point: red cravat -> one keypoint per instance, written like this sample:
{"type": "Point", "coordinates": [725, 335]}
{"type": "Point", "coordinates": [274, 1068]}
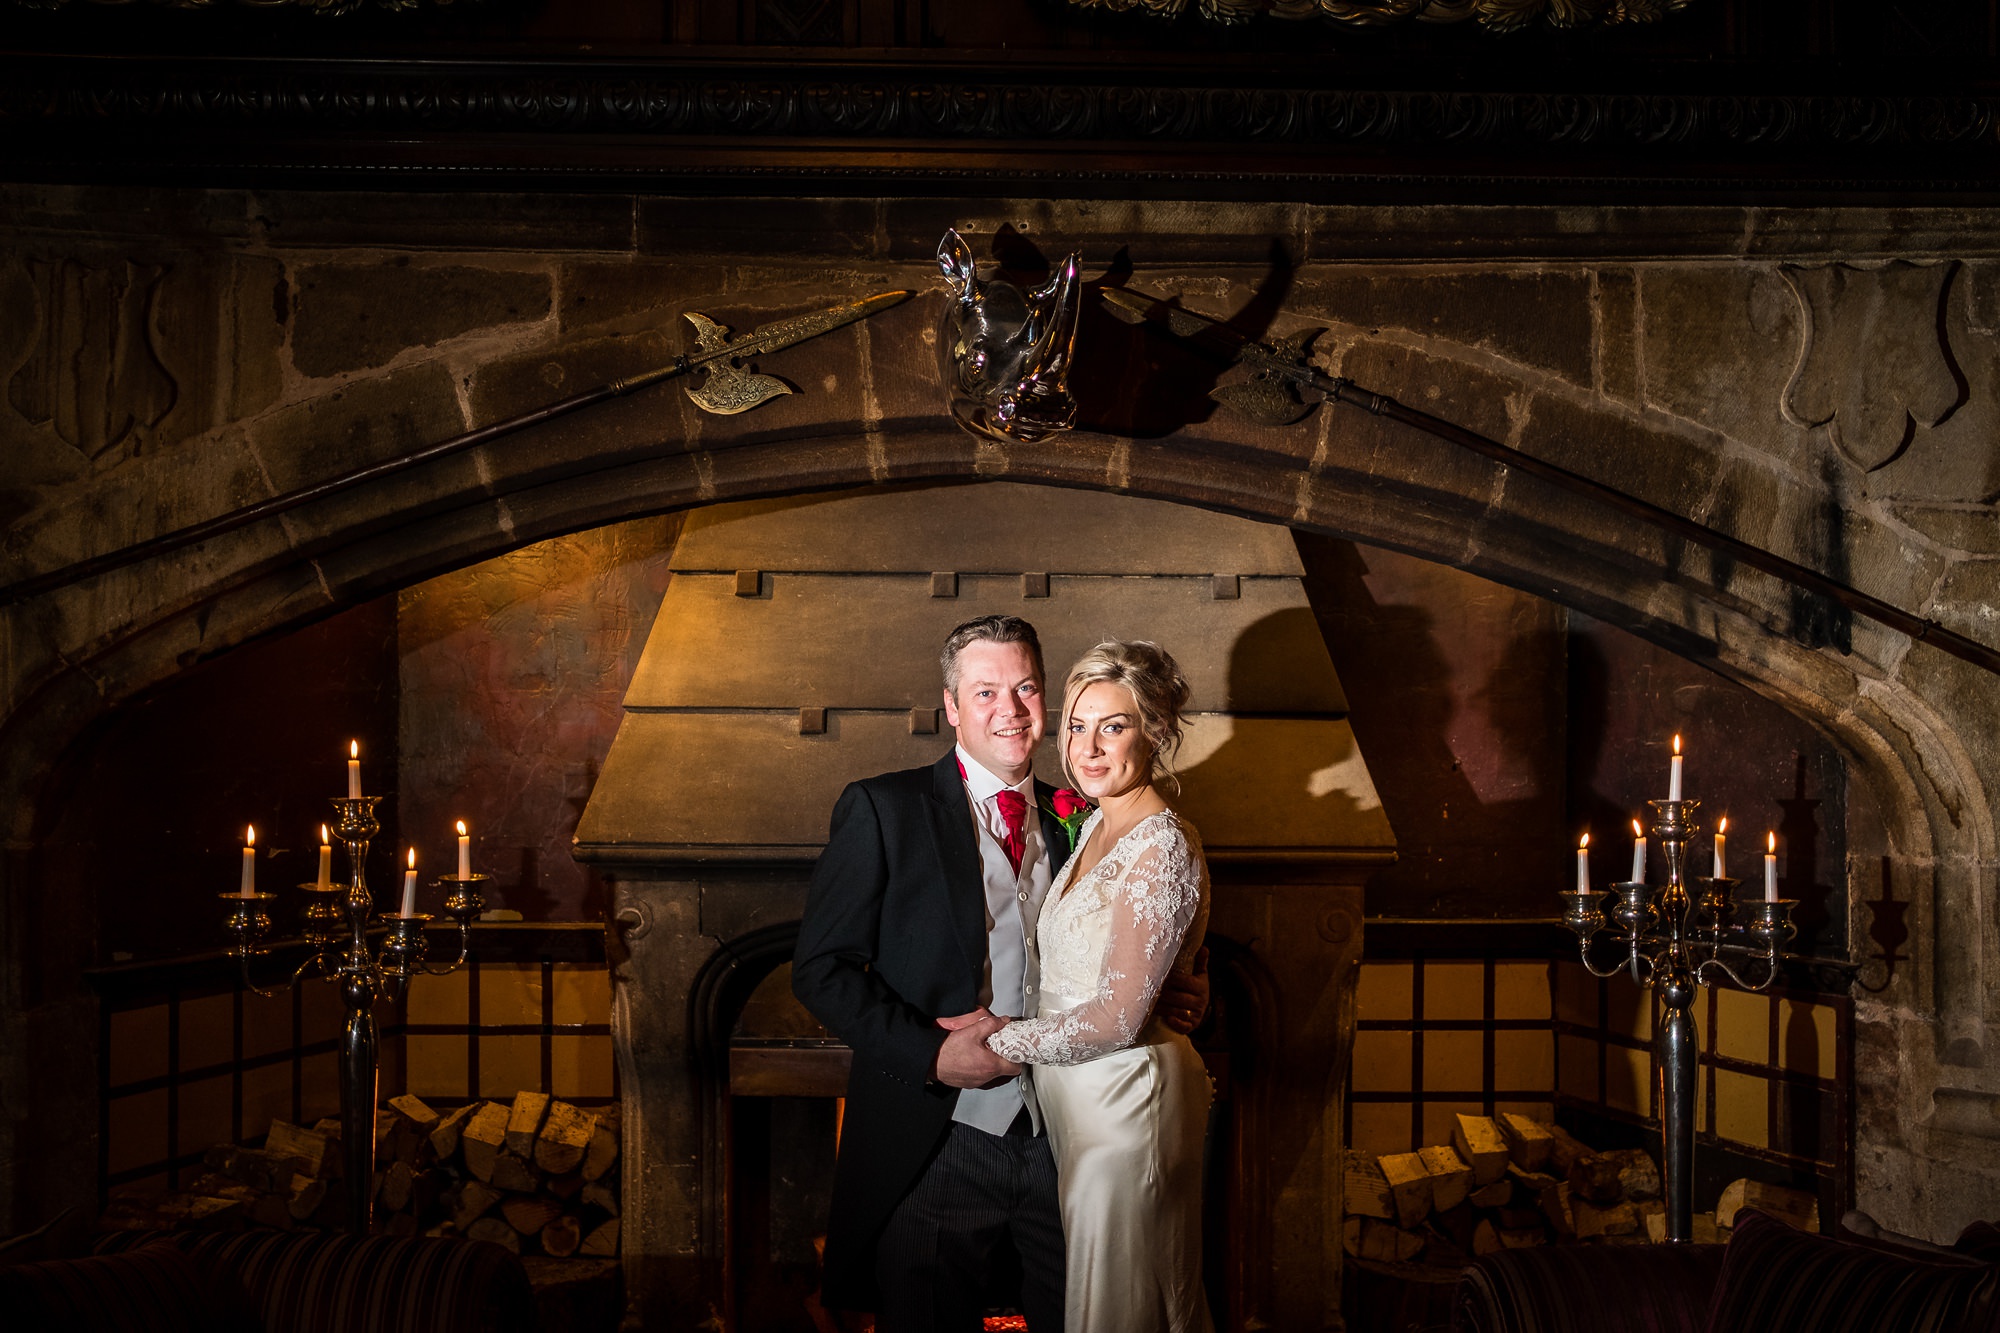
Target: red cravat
{"type": "Point", "coordinates": [1013, 813]}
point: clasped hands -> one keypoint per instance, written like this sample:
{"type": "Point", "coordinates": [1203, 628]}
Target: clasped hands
{"type": "Point", "coordinates": [965, 1061]}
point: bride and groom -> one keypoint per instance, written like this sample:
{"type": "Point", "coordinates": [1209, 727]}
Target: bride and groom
{"type": "Point", "coordinates": [1017, 992]}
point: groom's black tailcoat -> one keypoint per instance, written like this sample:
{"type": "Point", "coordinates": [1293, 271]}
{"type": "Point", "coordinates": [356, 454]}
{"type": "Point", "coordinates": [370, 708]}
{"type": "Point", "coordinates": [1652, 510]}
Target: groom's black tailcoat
{"type": "Point", "coordinates": [894, 937]}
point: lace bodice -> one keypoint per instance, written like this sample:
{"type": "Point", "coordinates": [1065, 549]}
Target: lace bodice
{"type": "Point", "coordinates": [1108, 942]}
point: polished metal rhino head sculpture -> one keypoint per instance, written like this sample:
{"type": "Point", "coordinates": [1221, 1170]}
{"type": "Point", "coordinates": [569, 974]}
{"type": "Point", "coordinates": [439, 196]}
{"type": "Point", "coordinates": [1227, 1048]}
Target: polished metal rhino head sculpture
{"type": "Point", "coordinates": [1005, 353]}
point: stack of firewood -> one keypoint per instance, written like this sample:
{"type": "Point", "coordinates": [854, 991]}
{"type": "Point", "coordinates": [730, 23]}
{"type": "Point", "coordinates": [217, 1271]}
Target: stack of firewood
{"type": "Point", "coordinates": [1508, 1181]}
{"type": "Point", "coordinates": [534, 1175]}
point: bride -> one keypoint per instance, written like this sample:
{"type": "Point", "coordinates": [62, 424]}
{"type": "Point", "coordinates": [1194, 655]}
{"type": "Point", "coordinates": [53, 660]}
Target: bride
{"type": "Point", "coordinates": [1125, 1099]}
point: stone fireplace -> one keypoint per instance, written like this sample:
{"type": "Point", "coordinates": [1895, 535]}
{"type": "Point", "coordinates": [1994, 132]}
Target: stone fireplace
{"type": "Point", "coordinates": [796, 650]}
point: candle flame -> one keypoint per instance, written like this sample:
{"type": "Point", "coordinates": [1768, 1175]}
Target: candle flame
{"type": "Point", "coordinates": [413, 858]}
{"type": "Point", "coordinates": [324, 840]}
{"type": "Point", "coordinates": [1771, 843]}
{"type": "Point", "coordinates": [1722, 825]}
{"type": "Point", "coordinates": [1585, 843]}
{"type": "Point", "coordinates": [249, 835]}
{"type": "Point", "coordinates": [1677, 742]}
{"type": "Point", "coordinates": [354, 749]}
{"type": "Point", "coordinates": [461, 828]}
{"type": "Point", "coordinates": [1637, 832]}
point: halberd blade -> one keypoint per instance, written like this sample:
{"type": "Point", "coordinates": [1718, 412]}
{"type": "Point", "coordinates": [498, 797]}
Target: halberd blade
{"type": "Point", "coordinates": [727, 390]}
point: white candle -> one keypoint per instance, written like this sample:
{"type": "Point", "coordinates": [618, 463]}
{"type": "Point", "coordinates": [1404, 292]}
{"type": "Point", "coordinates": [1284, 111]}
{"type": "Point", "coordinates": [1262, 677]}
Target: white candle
{"type": "Point", "coordinates": [249, 859]}
{"type": "Point", "coordinates": [1721, 860]}
{"type": "Point", "coordinates": [1583, 865]}
{"type": "Point", "coordinates": [1674, 776]}
{"type": "Point", "coordinates": [353, 769]}
{"type": "Point", "coordinates": [325, 859]}
{"type": "Point", "coordinates": [464, 852]}
{"type": "Point", "coordinates": [410, 886]}
{"type": "Point", "coordinates": [1770, 867]}
{"type": "Point", "coordinates": [1638, 854]}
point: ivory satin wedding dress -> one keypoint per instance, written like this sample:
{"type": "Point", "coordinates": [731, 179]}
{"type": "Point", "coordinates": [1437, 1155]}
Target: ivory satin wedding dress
{"type": "Point", "coordinates": [1125, 1099]}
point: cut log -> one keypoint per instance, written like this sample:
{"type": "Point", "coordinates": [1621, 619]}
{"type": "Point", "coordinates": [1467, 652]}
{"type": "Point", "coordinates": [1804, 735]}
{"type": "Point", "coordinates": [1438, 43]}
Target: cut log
{"type": "Point", "coordinates": [1486, 1240]}
{"type": "Point", "coordinates": [603, 1151]}
{"type": "Point", "coordinates": [386, 1122]}
{"type": "Point", "coordinates": [1478, 1141]}
{"type": "Point", "coordinates": [306, 1147]}
{"type": "Point", "coordinates": [412, 1108]}
{"type": "Point", "coordinates": [329, 1126]}
{"type": "Point", "coordinates": [562, 1237]}
{"type": "Point", "coordinates": [1350, 1236]}
{"type": "Point", "coordinates": [1638, 1174]}
{"type": "Point", "coordinates": [270, 1172]}
{"type": "Point", "coordinates": [396, 1185]}
{"type": "Point", "coordinates": [1529, 1142]}
{"type": "Point", "coordinates": [565, 1186]}
{"type": "Point", "coordinates": [1523, 1238]}
{"type": "Point", "coordinates": [1558, 1206]}
{"type": "Point", "coordinates": [564, 1139]}
{"type": "Point", "coordinates": [308, 1193]}
{"type": "Point", "coordinates": [602, 1242]}
{"type": "Point", "coordinates": [524, 1121]}
{"type": "Point", "coordinates": [1365, 1187]}
{"type": "Point", "coordinates": [444, 1138]}
{"type": "Point", "coordinates": [481, 1139]}
{"type": "Point", "coordinates": [1496, 1195]}
{"type": "Point", "coordinates": [528, 1213]}
{"type": "Point", "coordinates": [597, 1194]}
{"type": "Point", "coordinates": [1451, 1178]}
{"type": "Point", "coordinates": [511, 1173]}
{"type": "Point", "coordinates": [1704, 1229]}
{"type": "Point", "coordinates": [1384, 1243]}
{"type": "Point", "coordinates": [475, 1197]}
{"type": "Point", "coordinates": [1593, 1220]}
{"type": "Point", "coordinates": [1409, 1186]}
{"type": "Point", "coordinates": [1567, 1148]}
{"type": "Point", "coordinates": [494, 1230]}
{"type": "Point", "coordinates": [1595, 1178]}
{"type": "Point", "coordinates": [1793, 1207]}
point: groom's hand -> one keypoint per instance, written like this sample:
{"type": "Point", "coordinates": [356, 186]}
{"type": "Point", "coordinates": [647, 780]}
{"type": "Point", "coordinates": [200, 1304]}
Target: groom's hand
{"type": "Point", "coordinates": [1184, 999]}
{"type": "Point", "coordinates": [964, 1060]}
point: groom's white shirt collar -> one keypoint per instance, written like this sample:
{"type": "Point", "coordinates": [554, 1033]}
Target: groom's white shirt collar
{"type": "Point", "coordinates": [983, 786]}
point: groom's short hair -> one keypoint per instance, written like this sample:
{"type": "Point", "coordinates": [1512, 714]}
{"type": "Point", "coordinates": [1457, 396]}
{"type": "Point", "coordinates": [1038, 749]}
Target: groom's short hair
{"type": "Point", "coordinates": [988, 629]}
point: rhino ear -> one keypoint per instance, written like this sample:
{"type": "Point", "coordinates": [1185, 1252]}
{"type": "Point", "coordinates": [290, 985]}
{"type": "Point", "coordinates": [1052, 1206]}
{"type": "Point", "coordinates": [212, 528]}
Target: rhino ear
{"type": "Point", "coordinates": [955, 262]}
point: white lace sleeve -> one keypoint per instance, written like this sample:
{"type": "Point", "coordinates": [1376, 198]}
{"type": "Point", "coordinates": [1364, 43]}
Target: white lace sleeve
{"type": "Point", "coordinates": [1152, 905]}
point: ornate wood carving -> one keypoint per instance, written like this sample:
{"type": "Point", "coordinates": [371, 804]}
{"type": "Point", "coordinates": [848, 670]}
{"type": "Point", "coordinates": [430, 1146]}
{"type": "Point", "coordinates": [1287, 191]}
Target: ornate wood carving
{"type": "Point", "coordinates": [1496, 15]}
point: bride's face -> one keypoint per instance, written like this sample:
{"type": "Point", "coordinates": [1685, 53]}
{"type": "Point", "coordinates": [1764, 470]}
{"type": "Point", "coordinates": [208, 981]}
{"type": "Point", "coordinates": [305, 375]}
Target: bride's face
{"type": "Point", "coordinates": [1106, 747]}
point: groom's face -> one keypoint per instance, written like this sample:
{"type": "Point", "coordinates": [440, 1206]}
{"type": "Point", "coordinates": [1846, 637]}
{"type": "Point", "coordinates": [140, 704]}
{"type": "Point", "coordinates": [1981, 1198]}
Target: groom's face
{"type": "Point", "coordinates": [997, 707]}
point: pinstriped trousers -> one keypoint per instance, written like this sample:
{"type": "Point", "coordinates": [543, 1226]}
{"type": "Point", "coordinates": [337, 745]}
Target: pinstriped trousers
{"type": "Point", "coordinates": [944, 1251]}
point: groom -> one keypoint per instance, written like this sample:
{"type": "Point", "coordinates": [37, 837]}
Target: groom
{"type": "Point", "coordinates": [921, 912]}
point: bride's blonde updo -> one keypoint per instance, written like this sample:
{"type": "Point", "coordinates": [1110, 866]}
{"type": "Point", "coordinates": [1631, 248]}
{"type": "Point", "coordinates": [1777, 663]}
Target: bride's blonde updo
{"type": "Point", "coordinates": [1153, 679]}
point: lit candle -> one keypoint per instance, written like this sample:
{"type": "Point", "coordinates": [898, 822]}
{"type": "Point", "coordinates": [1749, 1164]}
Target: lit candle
{"type": "Point", "coordinates": [1721, 860]}
{"type": "Point", "coordinates": [1583, 865]}
{"type": "Point", "coordinates": [249, 859]}
{"type": "Point", "coordinates": [410, 886]}
{"type": "Point", "coordinates": [353, 769]}
{"type": "Point", "coordinates": [325, 859]}
{"type": "Point", "coordinates": [464, 852]}
{"type": "Point", "coordinates": [1674, 777]}
{"type": "Point", "coordinates": [1770, 867]}
{"type": "Point", "coordinates": [1638, 854]}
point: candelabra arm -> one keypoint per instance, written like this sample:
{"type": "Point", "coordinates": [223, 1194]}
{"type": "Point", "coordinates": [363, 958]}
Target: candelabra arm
{"type": "Point", "coordinates": [1634, 960]}
{"type": "Point", "coordinates": [464, 951]}
{"type": "Point", "coordinates": [1771, 971]}
{"type": "Point", "coordinates": [463, 904]}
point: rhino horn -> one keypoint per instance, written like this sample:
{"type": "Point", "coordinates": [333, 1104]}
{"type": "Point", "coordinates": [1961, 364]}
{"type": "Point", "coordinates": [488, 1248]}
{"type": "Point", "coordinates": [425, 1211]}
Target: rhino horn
{"type": "Point", "coordinates": [956, 263]}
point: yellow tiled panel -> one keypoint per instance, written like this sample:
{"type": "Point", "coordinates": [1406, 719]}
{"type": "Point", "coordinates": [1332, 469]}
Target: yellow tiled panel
{"type": "Point", "coordinates": [1441, 1118]}
{"type": "Point", "coordinates": [1521, 990]}
{"type": "Point", "coordinates": [1806, 1036]}
{"type": "Point", "coordinates": [1454, 990]}
{"type": "Point", "coordinates": [1742, 1108]}
{"type": "Point", "coordinates": [206, 1108]}
{"type": "Point", "coordinates": [510, 993]}
{"type": "Point", "coordinates": [1742, 1025]}
{"type": "Point", "coordinates": [138, 1130]}
{"type": "Point", "coordinates": [1524, 1061]}
{"type": "Point", "coordinates": [1628, 1010]}
{"type": "Point", "coordinates": [1454, 1062]}
{"type": "Point", "coordinates": [319, 1087]}
{"type": "Point", "coordinates": [1628, 1074]}
{"type": "Point", "coordinates": [324, 1015]}
{"type": "Point", "coordinates": [1384, 992]}
{"type": "Point", "coordinates": [1578, 1068]}
{"type": "Point", "coordinates": [393, 1072]}
{"type": "Point", "coordinates": [508, 1065]}
{"type": "Point", "coordinates": [138, 1044]}
{"type": "Point", "coordinates": [1381, 1127]}
{"type": "Point", "coordinates": [583, 995]}
{"type": "Point", "coordinates": [436, 1065]}
{"type": "Point", "coordinates": [580, 1067]}
{"type": "Point", "coordinates": [442, 999]}
{"type": "Point", "coordinates": [1543, 1112]}
{"type": "Point", "coordinates": [1701, 1125]}
{"type": "Point", "coordinates": [208, 1031]}
{"type": "Point", "coordinates": [1576, 995]}
{"type": "Point", "coordinates": [267, 1023]}
{"type": "Point", "coordinates": [267, 1096]}
{"type": "Point", "coordinates": [1381, 1061]}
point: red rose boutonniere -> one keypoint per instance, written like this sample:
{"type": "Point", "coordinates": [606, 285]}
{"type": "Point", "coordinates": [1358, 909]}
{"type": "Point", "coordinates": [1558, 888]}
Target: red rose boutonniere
{"type": "Point", "coordinates": [1070, 810]}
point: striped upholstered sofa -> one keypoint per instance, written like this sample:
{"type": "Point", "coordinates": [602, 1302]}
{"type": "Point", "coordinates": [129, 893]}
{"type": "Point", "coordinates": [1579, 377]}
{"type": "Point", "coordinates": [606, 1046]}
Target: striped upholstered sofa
{"type": "Point", "coordinates": [263, 1281]}
{"type": "Point", "coordinates": [1770, 1278]}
